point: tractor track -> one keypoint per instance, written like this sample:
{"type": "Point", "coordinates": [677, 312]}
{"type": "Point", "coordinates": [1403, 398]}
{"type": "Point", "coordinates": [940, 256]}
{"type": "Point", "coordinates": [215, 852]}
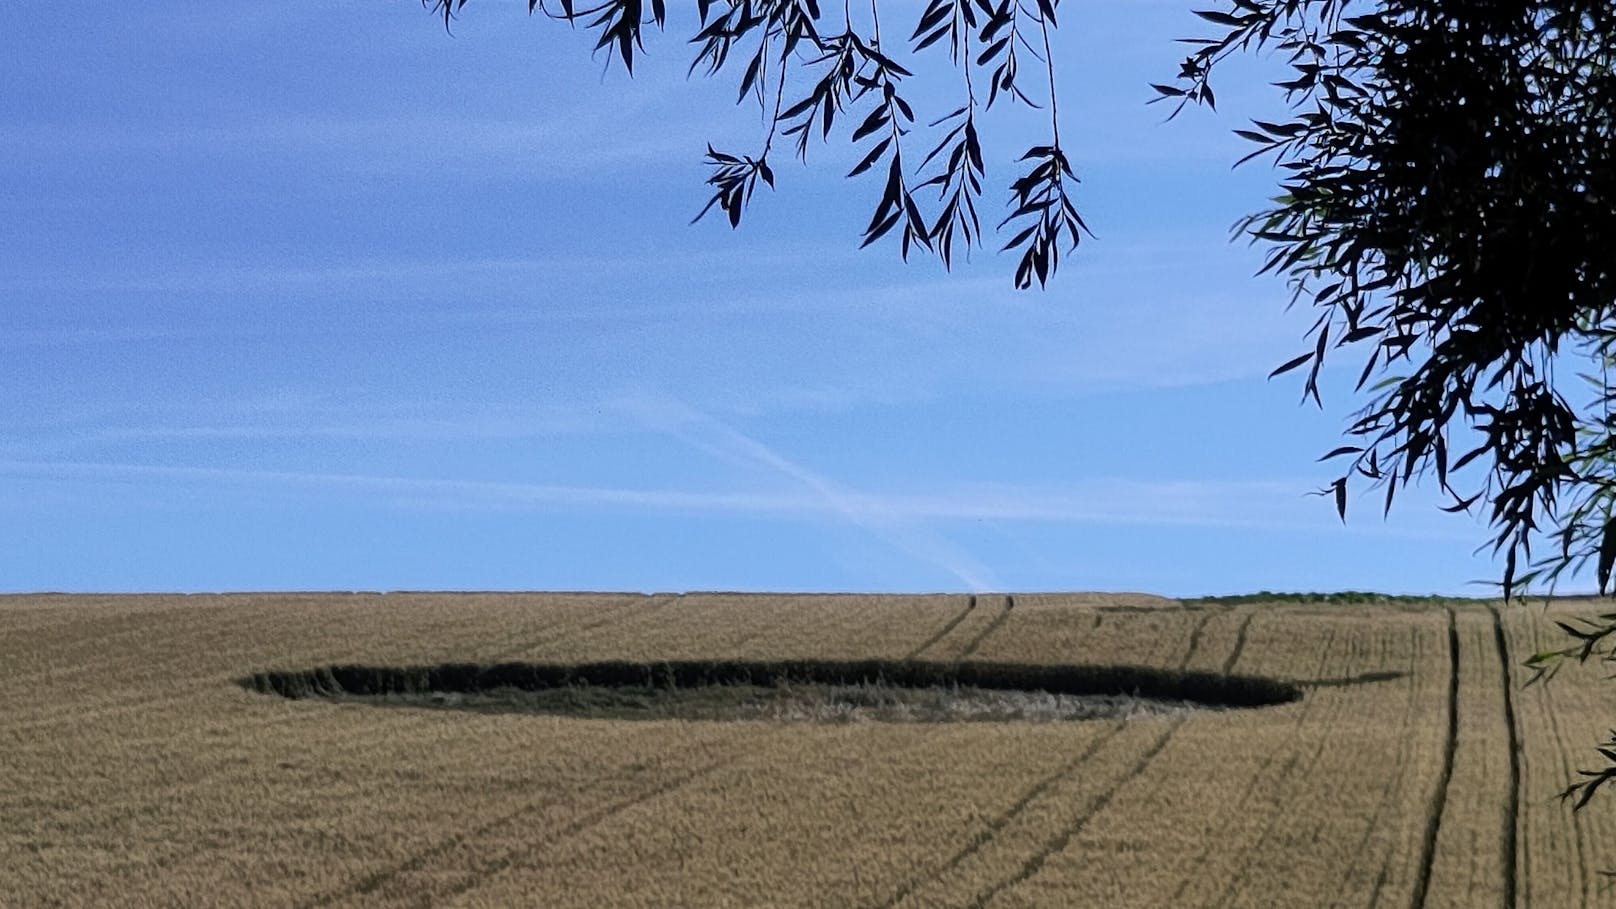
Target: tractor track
{"type": "Point", "coordinates": [1035, 862]}
{"type": "Point", "coordinates": [1439, 798]}
{"type": "Point", "coordinates": [943, 631]}
{"type": "Point", "coordinates": [998, 621]}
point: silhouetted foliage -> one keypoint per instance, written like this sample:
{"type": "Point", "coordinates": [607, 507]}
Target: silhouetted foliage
{"type": "Point", "coordinates": [859, 80]}
{"type": "Point", "coordinates": [1448, 207]}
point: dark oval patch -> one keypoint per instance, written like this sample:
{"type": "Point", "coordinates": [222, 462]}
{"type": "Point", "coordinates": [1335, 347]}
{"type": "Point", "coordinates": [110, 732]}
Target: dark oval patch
{"type": "Point", "coordinates": [788, 690]}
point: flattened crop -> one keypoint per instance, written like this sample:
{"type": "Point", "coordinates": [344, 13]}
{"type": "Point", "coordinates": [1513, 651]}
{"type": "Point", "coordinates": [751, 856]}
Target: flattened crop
{"type": "Point", "coordinates": [799, 690]}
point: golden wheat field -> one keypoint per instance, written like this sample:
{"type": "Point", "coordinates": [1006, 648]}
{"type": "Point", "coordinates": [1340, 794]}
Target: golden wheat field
{"type": "Point", "coordinates": [1415, 771]}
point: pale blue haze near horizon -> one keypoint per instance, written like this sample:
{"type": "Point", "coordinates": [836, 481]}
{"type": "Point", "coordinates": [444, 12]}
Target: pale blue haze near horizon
{"type": "Point", "coordinates": [316, 296]}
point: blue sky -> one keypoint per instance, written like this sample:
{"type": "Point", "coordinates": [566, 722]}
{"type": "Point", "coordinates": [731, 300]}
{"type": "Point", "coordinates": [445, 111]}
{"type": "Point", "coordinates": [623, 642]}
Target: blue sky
{"type": "Point", "coordinates": [316, 296]}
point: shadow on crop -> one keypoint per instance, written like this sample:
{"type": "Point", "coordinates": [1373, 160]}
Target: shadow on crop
{"type": "Point", "coordinates": [1362, 678]}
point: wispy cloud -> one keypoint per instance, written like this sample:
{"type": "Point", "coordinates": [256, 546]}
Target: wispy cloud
{"type": "Point", "coordinates": [86, 336]}
{"type": "Point", "coordinates": [79, 429]}
{"type": "Point", "coordinates": [395, 490]}
{"type": "Point", "coordinates": [905, 532]}
{"type": "Point", "coordinates": [1239, 504]}
{"type": "Point", "coordinates": [417, 276]}
{"type": "Point", "coordinates": [564, 143]}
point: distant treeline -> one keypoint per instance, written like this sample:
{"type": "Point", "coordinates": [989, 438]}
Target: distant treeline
{"type": "Point", "coordinates": [1339, 598]}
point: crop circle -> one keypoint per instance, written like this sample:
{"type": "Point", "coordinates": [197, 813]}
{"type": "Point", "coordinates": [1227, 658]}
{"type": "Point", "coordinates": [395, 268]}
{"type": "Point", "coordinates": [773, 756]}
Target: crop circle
{"type": "Point", "coordinates": [795, 690]}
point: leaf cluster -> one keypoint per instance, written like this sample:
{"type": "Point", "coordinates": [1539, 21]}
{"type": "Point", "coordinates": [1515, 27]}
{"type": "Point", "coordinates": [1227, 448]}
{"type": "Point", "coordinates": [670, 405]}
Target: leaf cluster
{"type": "Point", "coordinates": [1448, 208]}
{"type": "Point", "coordinates": [853, 78]}
{"type": "Point", "coordinates": [1580, 793]}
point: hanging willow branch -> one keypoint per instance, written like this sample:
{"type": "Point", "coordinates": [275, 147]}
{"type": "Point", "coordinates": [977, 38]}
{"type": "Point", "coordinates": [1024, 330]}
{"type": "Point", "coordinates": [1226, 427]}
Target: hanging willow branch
{"type": "Point", "coordinates": [855, 80]}
{"type": "Point", "coordinates": [1448, 208]}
